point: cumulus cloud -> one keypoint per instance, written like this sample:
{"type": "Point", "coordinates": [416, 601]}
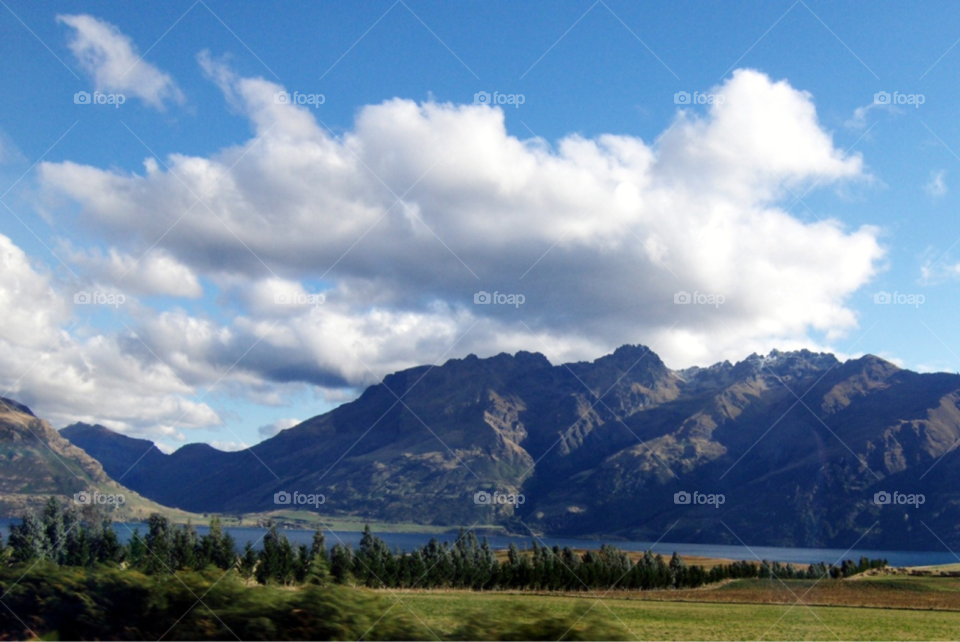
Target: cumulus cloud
{"type": "Point", "coordinates": [598, 236]}
{"type": "Point", "coordinates": [272, 429]}
{"type": "Point", "coordinates": [156, 272]}
{"type": "Point", "coordinates": [112, 60]}
{"type": "Point", "coordinates": [52, 362]}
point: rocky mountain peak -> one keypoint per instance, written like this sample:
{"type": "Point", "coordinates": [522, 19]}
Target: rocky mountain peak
{"type": "Point", "coordinates": [10, 404]}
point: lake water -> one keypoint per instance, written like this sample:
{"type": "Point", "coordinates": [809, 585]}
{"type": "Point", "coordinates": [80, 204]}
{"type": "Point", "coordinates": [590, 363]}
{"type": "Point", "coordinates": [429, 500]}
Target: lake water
{"type": "Point", "coordinates": [410, 541]}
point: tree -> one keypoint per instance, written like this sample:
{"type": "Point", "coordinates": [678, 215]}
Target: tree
{"type": "Point", "coordinates": [302, 564]}
{"type": "Point", "coordinates": [679, 570]}
{"type": "Point", "coordinates": [137, 553]}
{"type": "Point", "coordinates": [159, 543]}
{"type": "Point", "coordinates": [319, 544]}
{"type": "Point", "coordinates": [105, 545]}
{"type": "Point", "coordinates": [54, 530]}
{"type": "Point", "coordinates": [247, 564]}
{"type": "Point", "coordinates": [185, 544]}
{"type": "Point", "coordinates": [341, 564]}
{"type": "Point", "coordinates": [27, 539]}
{"type": "Point", "coordinates": [217, 547]}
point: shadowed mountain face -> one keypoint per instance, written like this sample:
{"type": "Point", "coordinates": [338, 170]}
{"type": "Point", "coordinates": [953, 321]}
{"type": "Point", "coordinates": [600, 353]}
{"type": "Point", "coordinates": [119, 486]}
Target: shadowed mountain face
{"type": "Point", "coordinates": [797, 443]}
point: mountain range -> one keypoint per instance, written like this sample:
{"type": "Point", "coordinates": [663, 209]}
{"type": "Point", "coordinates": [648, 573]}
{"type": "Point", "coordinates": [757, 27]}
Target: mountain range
{"type": "Point", "coordinates": [797, 443]}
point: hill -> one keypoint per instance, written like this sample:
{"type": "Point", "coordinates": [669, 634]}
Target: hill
{"type": "Point", "coordinates": [36, 462]}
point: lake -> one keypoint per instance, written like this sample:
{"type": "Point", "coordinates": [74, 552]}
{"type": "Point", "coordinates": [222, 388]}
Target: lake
{"type": "Point", "coordinates": [410, 541]}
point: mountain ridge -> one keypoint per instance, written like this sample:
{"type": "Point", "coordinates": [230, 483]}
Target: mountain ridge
{"type": "Point", "coordinates": [600, 448]}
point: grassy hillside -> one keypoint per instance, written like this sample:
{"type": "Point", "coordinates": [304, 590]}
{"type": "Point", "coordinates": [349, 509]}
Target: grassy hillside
{"type": "Point", "coordinates": [37, 463]}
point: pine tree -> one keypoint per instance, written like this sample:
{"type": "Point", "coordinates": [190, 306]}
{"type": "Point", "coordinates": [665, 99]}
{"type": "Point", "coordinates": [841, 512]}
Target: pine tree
{"type": "Point", "coordinates": [247, 564]}
{"type": "Point", "coordinates": [341, 564]}
{"type": "Point", "coordinates": [137, 550]}
{"type": "Point", "coordinates": [270, 562]}
{"type": "Point", "coordinates": [27, 539]}
{"type": "Point", "coordinates": [416, 569]}
{"type": "Point", "coordinates": [159, 543]}
{"type": "Point", "coordinates": [319, 544]}
{"type": "Point", "coordinates": [679, 570]}
{"type": "Point", "coordinates": [318, 572]}
{"type": "Point", "coordinates": [54, 531]}
{"type": "Point", "coordinates": [105, 545]}
{"type": "Point", "coordinates": [185, 544]}
{"type": "Point", "coordinates": [301, 564]}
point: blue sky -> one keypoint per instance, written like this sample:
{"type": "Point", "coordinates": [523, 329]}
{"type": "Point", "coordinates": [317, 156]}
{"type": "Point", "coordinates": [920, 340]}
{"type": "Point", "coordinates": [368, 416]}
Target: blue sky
{"type": "Point", "coordinates": [599, 197]}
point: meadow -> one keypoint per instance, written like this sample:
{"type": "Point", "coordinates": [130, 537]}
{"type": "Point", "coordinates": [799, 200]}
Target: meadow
{"type": "Point", "coordinates": [864, 609]}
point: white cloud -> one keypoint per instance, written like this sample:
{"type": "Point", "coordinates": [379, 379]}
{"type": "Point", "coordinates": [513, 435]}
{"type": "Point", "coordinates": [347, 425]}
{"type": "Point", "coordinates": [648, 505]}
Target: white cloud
{"type": "Point", "coordinates": [112, 60]}
{"type": "Point", "coordinates": [229, 446]}
{"type": "Point", "coordinates": [157, 272]}
{"type": "Point", "coordinates": [935, 272]}
{"type": "Point", "coordinates": [603, 231]}
{"type": "Point", "coordinates": [81, 375]}
{"type": "Point", "coordinates": [272, 429]}
{"type": "Point", "coordinates": [937, 266]}
{"type": "Point", "coordinates": [859, 118]}
{"type": "Point", "coordinates": [936, 186]}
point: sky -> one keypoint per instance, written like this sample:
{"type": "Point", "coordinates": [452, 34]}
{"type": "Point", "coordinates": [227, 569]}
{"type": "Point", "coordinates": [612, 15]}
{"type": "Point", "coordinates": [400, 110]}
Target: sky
{"type": "Point", "coordinates": [220, 219]}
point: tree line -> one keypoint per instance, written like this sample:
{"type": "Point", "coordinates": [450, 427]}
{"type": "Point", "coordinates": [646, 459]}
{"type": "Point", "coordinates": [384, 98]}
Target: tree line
{"type": "Point", "coordinates": [68, 537]}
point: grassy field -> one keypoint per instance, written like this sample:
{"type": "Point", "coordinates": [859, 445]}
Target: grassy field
{"type": "Point", "coordinates": [139, 512]}
{"type": "Point", "coordinates": [910, 608]}
{"type": "Point", "coordinates": [308, 520]}
{"type": "Point", "coordinates": [672, 620]}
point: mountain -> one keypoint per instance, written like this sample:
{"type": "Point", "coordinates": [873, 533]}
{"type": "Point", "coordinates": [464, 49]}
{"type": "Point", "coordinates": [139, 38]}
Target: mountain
{"type": "Point", "coordinates": [797, 443]}
{"type": "Point", "coordinates": [36, 462]}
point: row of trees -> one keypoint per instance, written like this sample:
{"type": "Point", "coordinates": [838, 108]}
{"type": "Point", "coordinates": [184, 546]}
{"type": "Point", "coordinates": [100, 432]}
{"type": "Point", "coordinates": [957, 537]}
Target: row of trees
{"type": "Point", "coordinates": [69, 538]}
{"type": "Point", "coordinates": [471, 564]}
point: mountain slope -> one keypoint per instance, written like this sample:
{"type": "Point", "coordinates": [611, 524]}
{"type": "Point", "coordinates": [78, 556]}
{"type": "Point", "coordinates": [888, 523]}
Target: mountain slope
{"type": "Point", "coordinates": [798, 443]}
{"type": "Point", "coordinates": [36, 462]}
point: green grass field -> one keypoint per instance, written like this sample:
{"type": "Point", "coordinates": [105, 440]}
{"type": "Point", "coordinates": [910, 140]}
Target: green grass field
{"type": "Point", "coordinates": [719, 614]}
{"type": "Point", "coordinates": [308, 520]}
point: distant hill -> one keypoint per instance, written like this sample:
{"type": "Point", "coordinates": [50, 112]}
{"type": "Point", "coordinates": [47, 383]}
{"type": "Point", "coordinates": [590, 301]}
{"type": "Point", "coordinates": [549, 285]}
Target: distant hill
{"type": "Point", "coordinates": [137, 463]}
{"type": "Point", "coordinates": [797, 442]}
{"type": "Point", "coordinates": [36, 462]}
